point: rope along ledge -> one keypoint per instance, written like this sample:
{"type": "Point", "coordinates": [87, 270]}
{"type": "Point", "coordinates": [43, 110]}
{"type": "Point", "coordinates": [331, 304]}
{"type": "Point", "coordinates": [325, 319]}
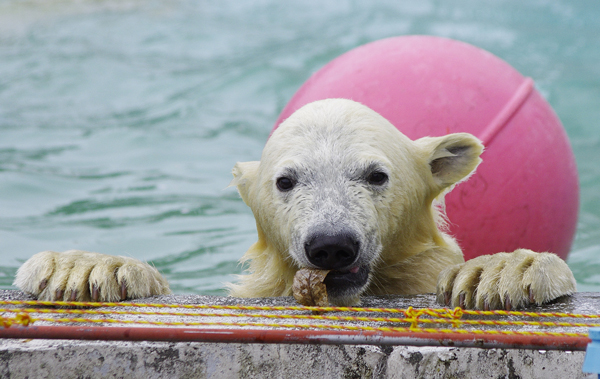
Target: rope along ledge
{"type": "Point", "coordinates": [292, 324]}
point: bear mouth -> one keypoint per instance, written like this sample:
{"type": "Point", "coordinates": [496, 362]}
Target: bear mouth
{"type": "Point", "coordinates": [342, 283]}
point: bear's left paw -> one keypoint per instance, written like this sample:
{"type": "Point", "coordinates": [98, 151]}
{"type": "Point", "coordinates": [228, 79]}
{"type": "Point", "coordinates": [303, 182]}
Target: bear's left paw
{"type": "Point", "coordinates": [505, 281]}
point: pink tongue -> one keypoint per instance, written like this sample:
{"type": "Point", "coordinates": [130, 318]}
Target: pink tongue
{"type": "Point", "coordinates": [354, 270]}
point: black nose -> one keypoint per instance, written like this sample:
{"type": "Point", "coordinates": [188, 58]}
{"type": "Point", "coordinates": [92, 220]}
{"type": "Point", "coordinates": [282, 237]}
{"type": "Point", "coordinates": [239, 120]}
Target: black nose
{"type": "Point", "coordinates": [332, 252]}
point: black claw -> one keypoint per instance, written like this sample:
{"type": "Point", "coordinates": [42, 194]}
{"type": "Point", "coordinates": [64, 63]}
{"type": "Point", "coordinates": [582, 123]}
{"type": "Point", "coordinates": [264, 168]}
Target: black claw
{"type": "Point", "coordinates": [95, 292]}
{"type": "Point", "coordinates": [73, 295]}
{"type": "Point", "coordinates": [123, 290]}
{"type": "Point", "coordinates": [507, 304]}
{"type": "Point", "coordinates": [531, 296]}
{"type": "Point", "coordinates": [447, 298]}
{"type": "Point", "coordinates": [43, 284]}
{"type": "Point", "coordinates": [461, 300]}
{"type": "Point", "coordinates": [59, 294]}
{"type": "Point", "coordinates": [486, 305]}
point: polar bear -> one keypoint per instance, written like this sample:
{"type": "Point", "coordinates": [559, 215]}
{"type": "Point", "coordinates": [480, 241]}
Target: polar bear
{"type": "Point", "coordinates": [339, 188]}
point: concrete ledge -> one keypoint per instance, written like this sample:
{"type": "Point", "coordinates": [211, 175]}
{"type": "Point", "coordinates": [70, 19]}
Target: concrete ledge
{"type": "Point", "coordinates": [105, 359]}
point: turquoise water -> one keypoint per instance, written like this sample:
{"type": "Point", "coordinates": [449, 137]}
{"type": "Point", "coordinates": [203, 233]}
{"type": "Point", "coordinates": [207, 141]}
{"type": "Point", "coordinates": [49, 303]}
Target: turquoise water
{"type": "Point", "coordinates": [120, 120]}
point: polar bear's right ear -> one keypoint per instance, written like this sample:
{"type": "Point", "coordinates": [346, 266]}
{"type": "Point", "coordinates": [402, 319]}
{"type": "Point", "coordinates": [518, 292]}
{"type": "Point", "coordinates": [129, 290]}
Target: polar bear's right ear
{"type": "Point", "coordinates": [244, 174]}
{"type": "Point", "coordinates": [452, 158]}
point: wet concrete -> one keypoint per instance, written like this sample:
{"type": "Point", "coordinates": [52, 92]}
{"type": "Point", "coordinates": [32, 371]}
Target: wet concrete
{"type": "Point", "coordinates": [33, 358]}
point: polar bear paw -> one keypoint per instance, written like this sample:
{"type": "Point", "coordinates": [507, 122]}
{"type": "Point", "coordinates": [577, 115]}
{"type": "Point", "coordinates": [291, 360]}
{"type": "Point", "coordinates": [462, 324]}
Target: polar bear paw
{"type": "Point", "coordinates": [82, 276]}
{"type": "Point", "coordinates": [505, 281]}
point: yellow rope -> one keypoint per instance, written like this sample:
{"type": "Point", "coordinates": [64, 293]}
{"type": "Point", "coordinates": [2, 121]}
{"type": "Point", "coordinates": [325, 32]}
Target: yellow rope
{"type": "Point", "coordinates": [414, 317]}
{"type": "Point", "coordinates": [429, 311]}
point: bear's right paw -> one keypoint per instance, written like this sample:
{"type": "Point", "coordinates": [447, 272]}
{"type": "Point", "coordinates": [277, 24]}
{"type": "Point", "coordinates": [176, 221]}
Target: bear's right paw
{"type": "Point", "coordinates": [82, 276]}
{"type": "Point", "coordinates": [505, 281]}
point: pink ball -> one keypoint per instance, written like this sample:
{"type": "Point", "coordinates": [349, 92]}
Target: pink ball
{"type": "Point", "coordinates": [525, 194]}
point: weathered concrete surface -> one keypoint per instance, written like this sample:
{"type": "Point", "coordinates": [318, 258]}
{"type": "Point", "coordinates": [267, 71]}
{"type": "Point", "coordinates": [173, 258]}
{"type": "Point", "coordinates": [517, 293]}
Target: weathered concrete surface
{"type": "Point", "coordinates": [436, 362]}
{"type": "Point", "coordinates": [67, 359]}
{"type": "Point", "coordinates": [102, 359]}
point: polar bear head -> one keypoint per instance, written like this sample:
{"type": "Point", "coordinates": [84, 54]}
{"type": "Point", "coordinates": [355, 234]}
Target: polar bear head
{"type": "Point", "coordinates": [338, 187]}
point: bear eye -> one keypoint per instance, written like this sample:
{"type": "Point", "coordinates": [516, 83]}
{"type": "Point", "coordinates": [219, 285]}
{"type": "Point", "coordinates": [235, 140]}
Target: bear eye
{"type": "Point", "coordinates": [377, 178]}
{"type": "Point", "coordinates": [285, 184]}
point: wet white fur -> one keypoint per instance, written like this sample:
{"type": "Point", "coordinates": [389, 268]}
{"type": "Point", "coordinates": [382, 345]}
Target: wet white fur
{"type": "Point", "coordinates": [327, 146]}
{"type": "Point", "coordinates": [74, 273]}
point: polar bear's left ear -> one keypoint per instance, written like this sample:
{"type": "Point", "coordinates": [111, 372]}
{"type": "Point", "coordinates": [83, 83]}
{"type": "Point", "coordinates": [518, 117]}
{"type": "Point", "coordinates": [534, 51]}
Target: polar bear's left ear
{"type": "Point", "coordinates": [244, 174]}
{"type": "Point", "coordinates": [452, 158]}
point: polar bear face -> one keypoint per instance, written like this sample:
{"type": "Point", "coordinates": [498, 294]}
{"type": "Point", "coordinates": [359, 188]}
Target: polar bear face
{"type": "Point", "coordinates": [340, 188]}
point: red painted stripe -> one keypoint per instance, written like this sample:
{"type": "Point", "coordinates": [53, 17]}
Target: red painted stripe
{"type": "Point", "coordinates": [294, 336]}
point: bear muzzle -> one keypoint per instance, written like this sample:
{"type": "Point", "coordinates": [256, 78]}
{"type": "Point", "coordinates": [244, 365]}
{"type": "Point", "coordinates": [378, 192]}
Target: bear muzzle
{"type": "Point", "coordinates": [339, 253]}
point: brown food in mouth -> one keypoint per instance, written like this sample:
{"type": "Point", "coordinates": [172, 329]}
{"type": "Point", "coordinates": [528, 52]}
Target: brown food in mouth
{"type": "Point", "coordinates": [308, 288]}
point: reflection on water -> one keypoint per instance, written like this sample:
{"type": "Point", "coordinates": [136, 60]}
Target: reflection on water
{"type": "Point", "coordinates": [120, 120]}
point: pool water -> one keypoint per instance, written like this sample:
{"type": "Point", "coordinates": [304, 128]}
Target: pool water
{"type": "Point", "coordinates": [120, 120]}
